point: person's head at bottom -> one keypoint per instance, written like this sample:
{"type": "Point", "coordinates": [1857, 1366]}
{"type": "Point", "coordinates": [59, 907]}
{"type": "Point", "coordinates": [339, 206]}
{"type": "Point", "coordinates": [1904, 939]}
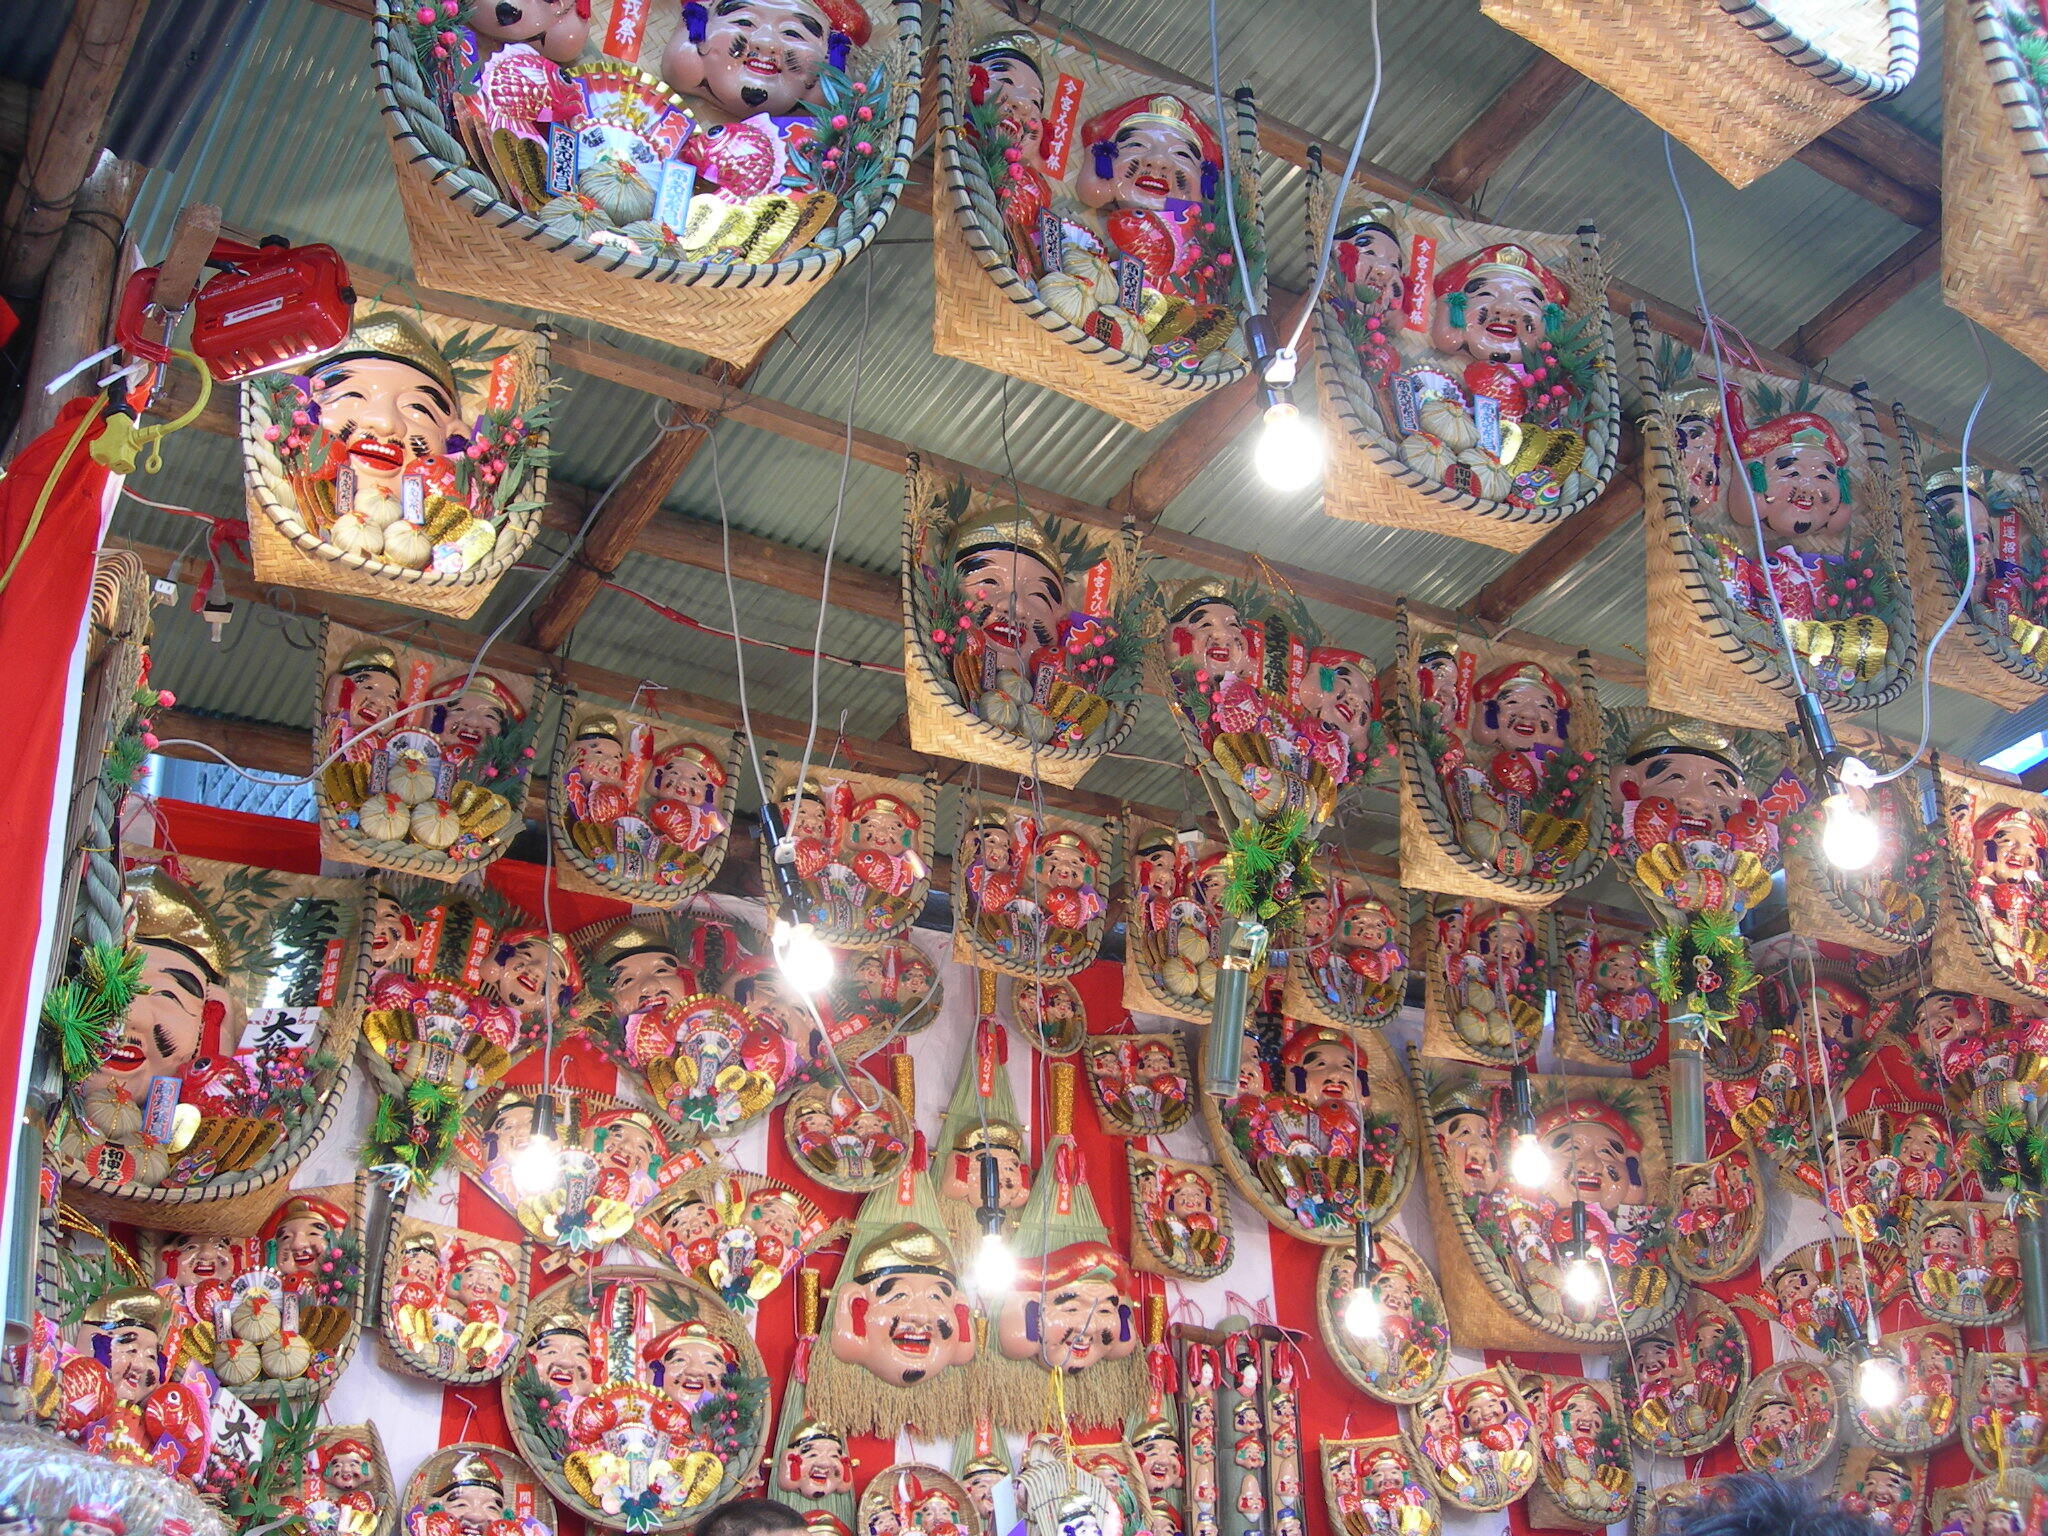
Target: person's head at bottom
{"type": "Point", "coordinates": [1750, 1504]}
{"type": "Point", "coordinates": [751, 1517]}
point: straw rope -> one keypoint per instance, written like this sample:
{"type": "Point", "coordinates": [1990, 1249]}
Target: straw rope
{"type": "Point", "coordinates": [1730, 82]}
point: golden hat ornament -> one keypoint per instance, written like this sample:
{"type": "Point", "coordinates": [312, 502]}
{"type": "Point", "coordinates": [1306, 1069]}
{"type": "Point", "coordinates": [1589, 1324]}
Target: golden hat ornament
{"type": "Point", "coordinates": [1159, 840]}
{"type": "Point", "coordinates": [1373, 214]}
{"type": "Point", "coordinates": [374, 657]}
{"type": "Point", "coordinates": [169, 911]}
{"type": "Point", "coordinates": [1696, 400]}
{"type": "Point", "coordinates": [1682, 736]}
{"type": "Point", "coordinates": [561, 1320]}
{"type": "Point", "coordinates": [134, 1306]}
{"type": "Point", "coordinates": [1003, 528]}
{"type": "Point", "coordinates": [1193, 593]}
{"type": "Point", "coordinates": [595, 727]}
{"type": "Point", "coordinates": [1945, 473]}
{"type": "Point", "coordinates": [990, 1463]}
{"type": "Point", "coordinates": [1016, 45]}
{"type": "Point", "coordinates": [420, 1242]}
{"type": "Point", "coordinates": [990, 821]}
{"type": "Point", "coordinates": [808, 1429]}
{"type": "Point", "coordinates": [397, 338]}
{"type": "Point", "coordinates": [633, 937]}
{"type": "Point", "coordinates": [907, 1245]}
{"type": "Point", "coordinates": [471, 1470]}
{"type": "Point", "coordinates": [1072, 840]}
{"type": "Point", "coordinates": [997, 1134]}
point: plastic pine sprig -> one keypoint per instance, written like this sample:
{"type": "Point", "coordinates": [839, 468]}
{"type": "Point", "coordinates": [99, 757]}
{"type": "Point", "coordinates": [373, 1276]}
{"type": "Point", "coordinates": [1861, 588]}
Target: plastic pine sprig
{"type": "Point", "coordinates": [83, 1012]}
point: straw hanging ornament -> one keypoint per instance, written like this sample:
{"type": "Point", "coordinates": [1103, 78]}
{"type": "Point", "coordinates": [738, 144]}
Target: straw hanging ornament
{"type": "Point", "coordinates": [811, 1467]}
{"type": "Point", "coordinates": [981, 1127]}
{"type": "Point", "coordinates": [1154, 1437]}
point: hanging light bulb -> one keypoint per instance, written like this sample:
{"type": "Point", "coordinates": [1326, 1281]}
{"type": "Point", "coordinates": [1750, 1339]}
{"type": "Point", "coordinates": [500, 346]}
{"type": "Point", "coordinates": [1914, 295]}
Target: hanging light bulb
{"type": "Point", "coordinates": [537, 1166]}
{"type": "Point", "coordinates": [1581, 1281]}
{"type": "Point", "coordinates": [804, 959]}
{"type": "Point", "coordinates": [1289, 452]}
{"type": "Point", "coordinates": [995, 1267]}
{"type": "Point", "coordinates": [1879, 1384]}
{"type": "Point", "coordinates": [1849, 837]}
{"type": "Point", "coordinates": [1529, 1164]}
{"type": "Point", "coordinates": [1364, 1314]}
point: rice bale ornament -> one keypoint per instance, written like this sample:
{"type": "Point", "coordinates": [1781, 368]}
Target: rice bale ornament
{"type": "Point", "coordinates": [639, 1398]}
{"type": "Point", "coordinates": [2003, 1413]}
{"type": "Point", "coordinates": [1084, 238]}
{"type": "Point", "coordinates": [1992, 143]}
{"type": "Point", "coordinates": [431, 756]}
{"type": "Point", "coordinates": [701, 1014]}
{"type": "Point", "coordinates": [702, 183]}
{"type": "Point", "coordinates": [1890, 1491]}
{"type": "Point", "coordinates": [1889, 906]}
{"type": "Point", "coordinates": [1606, 1010]}
{"type": "Point", "coordinates": [739, 1235]}
{"type": "Point", "coordinates": [343, 1486]}
{"type": "Point", "coordinates": [1788, 1420]}
{"type": "Point", "coordinates": [1823, 1292]}
{"type": "Point", "coordinates": [1991, 938]}
{"type": "Point", "coordinates": [1765, 81]}
{"type": "Point", "coordinates": [1485, 998]}
{"type": "Point", "coordinates": [435, 1032]}
{"type": "Point", "coordinates": [1717, 1224]}
{"type": "Point", "coordinates": [1181, 1215]}
{"type": "Point", "coordinates": [1609, 1180]}
{"type": "Point", "coordinates": [1809, 464]}
{"type": "Point", "coordinates": [1373, 1487]}
{"type": "Point", "coordinates": [638, 807]}
{"type": "Point", "coordinates": [1175, 915]}
{"type": "Point", "coordinates": [1467, 370]}
{"type": "Point", "coordinates": [614, 1160]}
{"type": "Point", "coordinates": [862, 854]}
{"type": "Point", "coordinates": [1073, 1308]}
{"type": "Point", "coordinates": [916, 1499]}
{"type": "Point", "coordinates": [285, 1327]}
{"type": "Point", "coordinates": [1320, 1134]}
{"type": "Point", "coordinates": [810, 1466]}
{"type": "Point", "coordinates": [2002, 654]}
{"type": "Point", "coordinates": [899, 1328]}
{"type": "Point", "coordinates": [1926, 1416]}
{"type": "Point", "coordinates": [453, 1301]}
{"type": "Point", "coordinates": [1997, 1504]}
{"type": "Point", "coordinates": [1405, 1357]}
{"type": "Point", "coordinates": [1142, 1083]}
{"type": "Point", "coordinates": [1030, 892]}
{"type": "Point", "coordinates": [1589, 1481]}
{"type": "Point", "coordinates": [851, 1134]}
{"type": "Point", "coordinates": [981, 1163]}
{"type": "Point", "coordinates": [1680, 1382]}
{"type": "Point", "coordinates": [1347, 953]}
{"type": "Point", "coordinates": [1024, 637]}
{"type": "Point", "coordinates": [469, 1489]}
{"type": "Point", "coordinates": [1696, 813]}
{"type": "Point", "coordinates": [409, 464]}
{"type": "Point", "coordinates": [203, 1055]}
{"type": "Point", "coordinates": [1475, 1439]}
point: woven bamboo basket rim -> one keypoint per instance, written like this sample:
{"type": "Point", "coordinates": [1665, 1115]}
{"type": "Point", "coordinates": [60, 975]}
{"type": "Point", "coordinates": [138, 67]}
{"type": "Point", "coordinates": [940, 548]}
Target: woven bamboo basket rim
{"type": "Point", "coordinates": [939, 721]}
{"type": "Point", "coordinates": [263, 471]}
{"type": "Point", "coordinates": [410, 1361]}
{"type": "Point", "coordinates": [305, 1389]}
{"type": "Point", "coordinates": [222, 1207]}
{"type": "Point", "coordinates": [1422, 797]}
{"type": "Point", "coordinates": [1226, 1238]}
{"type": "Point", "coordinates": [924, 790]}
{"type": "Point", "coordinates": [1859, 1432]}
{"type": "Point", "coordinates": [901, 1126]}
{"type": "Point", "coordinates": [1752, 1240]}
{"type": "Point", "coordinates": [1714, 612]}
{"type": "Point", "coordinates": [1175, 1116]}
{"type": "Point", "coordinates": [1338, 1336]}
{"type": "Point", "coordinates": [1383, 1070]}
{"type": "Point", "coordinates": [1487, 1265]}
{"type": "Point", "coordinates": [1765, 1384]}
{"type": "Point", "coordinates": [1902, 46]}
{"type": "Point", "coordinates": [1341, 386]}
{"type": "Point", "coordinates": [1963, 958]}
{"type": "Point", "coordinates": [1818, 912]}
{"type": "Point", "coordinates": [417, 1489]}
{"type": "Point", "coordinates": [1697, 1300]}
{"type": "Point", "coordinates": [991, 256]}
{"type": "Point", "coordinates": [971, 946]}
{"type": "Point", "coordinates": [1304, 997]}
{"type": "Point", "coordinates": [1440, 1003]}
{"type": "Point", "coordinates": [1923, 1211]}
{"type": "Point", "coordinates": [1971, 1392]}
{"type": "Point", "coordinates": [1332, 1446]}
{"type": "Point", "coordinates": [1550, 1480]}
{"type": "Point", "coordinates": [601, 881]}
{"type": "Point", "coordinates": [1994, 207]}
{"type": "Point", "coordinates": [467, 191]}
{"type": "Point", "coordinates": [716, 1316]}
{"type": "Point", "coordinates": [2006, 74]}
{"type": "Point", "coordinates": [1506, 1378]}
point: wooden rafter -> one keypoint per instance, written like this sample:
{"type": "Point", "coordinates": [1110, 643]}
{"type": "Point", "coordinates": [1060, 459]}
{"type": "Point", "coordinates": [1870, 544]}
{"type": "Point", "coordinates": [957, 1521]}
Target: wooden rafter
{"type": "Point", "coordinates": [1916, 260]}
{"type": "Point", "coordinates": [1551, 558]}
{"type": "Point", "coordinates": [1521, 107]}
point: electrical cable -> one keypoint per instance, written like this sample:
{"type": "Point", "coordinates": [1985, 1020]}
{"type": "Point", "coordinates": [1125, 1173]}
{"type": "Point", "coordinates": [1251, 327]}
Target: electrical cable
{"type": "Point", "coordinates": [1329, 241]}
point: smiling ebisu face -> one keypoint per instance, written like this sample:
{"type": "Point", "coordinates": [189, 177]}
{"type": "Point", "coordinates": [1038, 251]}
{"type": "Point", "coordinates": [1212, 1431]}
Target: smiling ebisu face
{"type": "Point", "coordinates": [165, 1024]}
{"type": "Point", "coordinates": [387, 414]}
{"type": "Point", "coordinates": [1799, 492]}
{"type": "Point", "coordinates": [750, 56]}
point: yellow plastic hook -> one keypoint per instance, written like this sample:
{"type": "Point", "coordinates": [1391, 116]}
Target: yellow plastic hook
{"type": "Point", "coordinates": [123, 438]}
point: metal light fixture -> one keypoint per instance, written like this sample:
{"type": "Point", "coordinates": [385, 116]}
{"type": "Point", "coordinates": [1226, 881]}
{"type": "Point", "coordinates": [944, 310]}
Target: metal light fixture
{"type": "Point", "coordinates": [1849, 835]}
{"type": "Point", "coordinates": [1289, 452]}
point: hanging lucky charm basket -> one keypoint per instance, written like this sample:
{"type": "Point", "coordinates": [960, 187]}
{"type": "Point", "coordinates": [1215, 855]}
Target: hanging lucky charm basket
{"type": "Point", "coordinates": [1991, 938]}
{"type": "Point", "coordinates": [1889, 906]}
{"type": "Point", "coordinates": [1743, 84]}
{"type": "Point", "coordinates": [631, 165]}
{"type": "Point", "coordinates": [1023, 636]}
{"type": "Point", "coordinates": [1059, 257]}
{"type": "Point", "coordinates": [1467, 371]}
{"type": "Point", "coordinates": [1994, 167]}
{"type": "Point", "coordinates": [1810, 464]}
{"type": "Point", "coordinates": [409, 464]}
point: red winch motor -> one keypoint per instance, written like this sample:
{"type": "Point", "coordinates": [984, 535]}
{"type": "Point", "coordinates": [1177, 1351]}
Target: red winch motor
{"type": "Point", "coordinates": [271, 305]}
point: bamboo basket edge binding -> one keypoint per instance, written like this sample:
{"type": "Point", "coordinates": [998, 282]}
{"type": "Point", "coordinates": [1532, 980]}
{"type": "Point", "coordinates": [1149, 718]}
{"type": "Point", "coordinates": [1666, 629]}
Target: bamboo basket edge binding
{"type": "Point", "coordinates": [405, 1360]}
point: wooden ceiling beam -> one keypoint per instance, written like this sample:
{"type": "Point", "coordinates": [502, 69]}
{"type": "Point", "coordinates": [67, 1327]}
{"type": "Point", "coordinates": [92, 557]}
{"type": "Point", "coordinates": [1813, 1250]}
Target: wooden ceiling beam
{"type": "Point", "coordinates": [1553, 557]}
{"type": "Point", "coordinates": [1907, 203]}
{"type": "Point", "coordinates": [1913, 263]}
{"type": "Point", "coordinates": [1518, 111]}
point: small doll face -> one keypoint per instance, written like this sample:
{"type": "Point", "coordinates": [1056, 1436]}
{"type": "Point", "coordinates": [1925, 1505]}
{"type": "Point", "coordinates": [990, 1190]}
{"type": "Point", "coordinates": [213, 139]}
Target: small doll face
{"type": "Point", "coordinates": [474, 1508]}
{"type": "Point", "coordinates": [1885, 1489]}
{"type": "Point", "coordinates": [302, 1243]}
{"type": "Point", "coordinates": [1653, 1360]}
{"type": "Point", "coordinates": [690, 1368]}
{"type": "Point", "coordinates": [2012, 851]}
{"type": "Point", "coordinates": [1921, 1146]}
{"type": "Point", "coordinates": [981, 1488]}
{"type": "Point", "coordinates": [1470, 1151]}
{"type": "Point", "coordinates": [1211, 636]}
{"type": "Point", "coordinates": [373, 697]}
{"type": "Point", "coordinates": [756, 56]}
{"type": "Point", "coordinates": [1015, 600]}
{"type": "Point", "coordinates": [523, 974]}
{"type": "Point", "coordinates": [1373, 259]}
{"type": "Point", "coordinates": [1367, 925]}
{"type": "Point", "coordinates": [562, 1361]}
{"type": "Point", "coordinates": [1153, 164]}
{"type": "Point", "coordinates": [386, 415]}
{"type": "Point", "coordinates": [818, 1465]}
{"type": "Point", "coordinates": [1941, 1019]}
{"type": "Point", "coordinates": [1077, 1323]}
{"type": "Point", "coordinates": [805, 818]}
{"type": "Point", "coordinates": [1503, 317]}
{"type": "Point", "coordinates": [686, 779]}
{"type": "Point", "coordinates": [193, 1258]}
{"type": "Point", "coordinates": [1802, 491]}
{"type": "Point", "coordinates": [600, 758]}
{"type": "Point", "coordinates": [692, 1220]}
{"type": "Point", "coordinates": [1395, 1289]}
{"type": "Point", "coordinates": [1776, 1419]}
{"type": "Point", "coordinates": [470, 719]}
{"type": "Point", "coordinates": [1017, 91]}
{"type": "Point", "coordinates": [1328, 1073]}
{"type": "Point", "coordinates": [1387, 1474]}
{"type": "Point", "coordinates": [1190, 1197]}
{"type": "Point", "coordinates": [1344, 699]}
{"type": "Point", "coordinates": [1699, 451]}
{"type": "Point", "coordinates": [132, 1362]}
{"type": "Point", "coordinates": [1484, 1409]}
{"type": "Point", "coordinates": [161, 1033]}
{"type": "Point", "coordinates": [1794, 1286]}
{"type": "Point", "coordinates": [346, 1471]}
{"type": "Point", "coordinates": [421, 1264]}
{"type": "Point", "coordinates": [1506, 943]}
{"type": "Point", "coordinates": [511, 1130]}
{"type": "Point", "coordinates": [651, 977]}
{"type": "Point", "coordinates": [483, 1273]}
{"type": "Point", "coordinates": [1066, 867]}
{"type": "Point", "coordinates": [628, 1148]}
{"type": "Point", "coordinates": [2002, 1243]}
{"type": "Point", "coordinates": [1582, 1415]}
{"type": "Point", "coordinates": [1525, 716]}
{"type": "Point", "coordinates": [1314, 922]}
{"type": "Point", "coordinates": [882, 826]}
{"type": "Point", "coordinates": [990, 847]}
{"type": "Point", "coordinates": [1617, 969]}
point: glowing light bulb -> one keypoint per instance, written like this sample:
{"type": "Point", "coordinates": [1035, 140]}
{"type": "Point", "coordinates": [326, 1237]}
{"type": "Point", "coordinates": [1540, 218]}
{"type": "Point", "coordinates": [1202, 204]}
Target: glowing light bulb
{"type": "Point", "coordinates": [995, 1267]}
{"type": "Point", "coordinates": [537, 1166]}
{"type": "Point", "coordinates": [1289, 453]}
{"type": "Point", "coordinates": [1878, 1382]}
{"type": "Point", "coordinates": [803, 958]}
{"type": "Point", "coordinates": [1364, 1316]}
{"type": "Point", "coordinates": [1581, 1281]}
{"type": "Point", "coordinates": [1849, 837]}
{"type": "Point", "coordinates": [1529, 1165]}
